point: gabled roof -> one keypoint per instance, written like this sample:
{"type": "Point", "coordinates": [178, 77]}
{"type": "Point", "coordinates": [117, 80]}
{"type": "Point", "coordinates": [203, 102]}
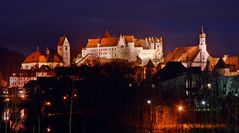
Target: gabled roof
{"type": "Point", "coordinates": [183, 54]}
{"type": "Point", "coordinates": [35, 57]}
{"type": "Point", "coordinates": [38, 57]}
{"type": "Point", "coordinates": [211, 63]}
{"type": "Point", "coordinates": [92, 43]}
{"type": "Point", "coordinates": [54, 58]}
{"type": "Point", "coordinates": [171, 69]}
{"type": "Point", "coordinates": [107, 34]}
{"type": "Point", "coordinates": [44, 68]}
{"type": "Point", "coordinates": [220, 64]}
{"type": "Point", "coordinates": [110, 41]}
{"type": "Point", "coordinates": [61, 40]}
{"type": "Point", "coordinates": [129, 38]}
{"type": "Point", "coordinates": [150, 64]}
{"type": "Point", "coordinates": [232, 62]}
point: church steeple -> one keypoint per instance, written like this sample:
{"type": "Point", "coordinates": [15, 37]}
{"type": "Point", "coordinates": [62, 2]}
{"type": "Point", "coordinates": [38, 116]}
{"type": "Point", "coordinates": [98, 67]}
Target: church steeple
{"type": "Point", "coordinates": [202, 37]}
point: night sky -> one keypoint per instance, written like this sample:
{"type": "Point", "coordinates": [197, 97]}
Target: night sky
{"type": "Point", "coordinates": [26, 24]}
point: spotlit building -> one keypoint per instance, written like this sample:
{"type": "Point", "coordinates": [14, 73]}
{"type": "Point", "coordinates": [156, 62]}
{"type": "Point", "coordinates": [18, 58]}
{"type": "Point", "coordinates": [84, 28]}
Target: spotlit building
{"type": "Point", "coordinates": [125, 47]}
{"type": "Point", "coordinates": [195, 56]}
{"type": "Point", "coordinates": [49, 58]}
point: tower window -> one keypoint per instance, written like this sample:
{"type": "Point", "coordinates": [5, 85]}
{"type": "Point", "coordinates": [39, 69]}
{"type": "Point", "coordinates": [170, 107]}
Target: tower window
{"type": "Point", "coordinates": [65, 48]}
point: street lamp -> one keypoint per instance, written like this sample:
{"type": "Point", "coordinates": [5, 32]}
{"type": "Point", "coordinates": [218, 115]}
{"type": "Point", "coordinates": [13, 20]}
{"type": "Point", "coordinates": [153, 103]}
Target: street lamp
{"type": "Point", "coordinates": [180, 110]}
{"type": "Point", "coordinates": [203, 102]}
{"type": "Point", "coordinates": [151, 117]}
{"type": "Point", "coordinates": [48, 103]}
{"type": "Point", "coordinates": [48, 129]}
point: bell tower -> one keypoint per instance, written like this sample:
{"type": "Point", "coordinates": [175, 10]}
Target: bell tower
{"type": "Point", "coordinates": [63, 49]}
{"type": "Point", "coordinates": [202, 40]}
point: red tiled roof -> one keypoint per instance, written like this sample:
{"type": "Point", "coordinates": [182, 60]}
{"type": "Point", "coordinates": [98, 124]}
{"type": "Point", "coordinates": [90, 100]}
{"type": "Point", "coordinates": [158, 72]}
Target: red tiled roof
{"type": "Point", "coordinates": [183, 54]}
{"type": "Point", "coordinates": [54, 58]}
{"type": "Point", "coordinates": [106, 42]}
{"type": "Point", "coordinates": [92, 43]}
{"type": "Point", "coordinates": [35, 57]}
{"type": "Point", "coordinates": [232, 62]}
{"type": "Point", "coordinates": [141, 43]}
{"type": "Point", "coordinates": [212, 63]}
{"type": "Point", "coordinates": [129, 38]}
{"type": "Point", "coordinates": [107, 34]}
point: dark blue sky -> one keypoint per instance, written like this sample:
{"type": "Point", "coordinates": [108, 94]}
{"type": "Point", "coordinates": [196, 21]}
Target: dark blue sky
{"type": "Point", "coordinates": [26, 24]}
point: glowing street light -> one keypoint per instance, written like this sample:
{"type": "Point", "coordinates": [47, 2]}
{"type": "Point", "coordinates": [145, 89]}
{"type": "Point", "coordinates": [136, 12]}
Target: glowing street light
{"type": "Point", "coordinates": [203, 102]}
{"type": "Point", "coordinates": [64, 97]}
{"type": "Point", "coordinates": [48, 129]}
{"type": "Point", "coordinates": [151, 115]}
{"type": "Point", "coordinates": [48, 103]}
{"type": "Point", "coordinates": [180, 108]}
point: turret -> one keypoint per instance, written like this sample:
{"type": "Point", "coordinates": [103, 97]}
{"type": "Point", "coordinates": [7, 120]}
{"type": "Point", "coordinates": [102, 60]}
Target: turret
{"type": "Point", "coordinates": [159, 48]}
{"type": "Point", "coordinates": [202, 39]}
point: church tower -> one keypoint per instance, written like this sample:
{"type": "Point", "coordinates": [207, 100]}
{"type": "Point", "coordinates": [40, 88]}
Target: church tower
{"type": "Point", "coordinates": [63, 49]}
{"type": "Point", "coordinates": [202, 40]}
{"type": "Point", "coordinates": [203, 55]}
{"type": "Point", "coordinates": [159, 49]}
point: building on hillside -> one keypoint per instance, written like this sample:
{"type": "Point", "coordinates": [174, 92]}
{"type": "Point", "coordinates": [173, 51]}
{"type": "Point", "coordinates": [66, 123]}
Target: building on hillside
{"type": "Point", "coordinates": [195, 56]}
{"type": "Point", "coordinates": [49, 58]}
{"type": "Point", "coordinates": [225, 66]}
{"type": "Point", "coordinates": [20, 78]}
{"type": "Point", "coordinates": [124, 47]}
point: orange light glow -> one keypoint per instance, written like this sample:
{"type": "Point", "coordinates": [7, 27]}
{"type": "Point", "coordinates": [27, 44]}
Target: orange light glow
{"type": "Point", "coordinates": [48, 129]}
{"type": "Point", "coordinates": [48, 103]}
{"type": "Point", "coordinates": [180, 108]}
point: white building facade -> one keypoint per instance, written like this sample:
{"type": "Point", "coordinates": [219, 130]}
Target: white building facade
{"type": "Point", "coordinates": [125, 47]}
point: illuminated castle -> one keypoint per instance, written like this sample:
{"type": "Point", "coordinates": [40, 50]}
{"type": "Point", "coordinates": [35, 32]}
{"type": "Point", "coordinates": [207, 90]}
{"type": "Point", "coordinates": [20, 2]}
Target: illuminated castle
{"type": "Point", "coordinates": [125, 47]}
{"type": "Point", "coordinates": [51, 59]}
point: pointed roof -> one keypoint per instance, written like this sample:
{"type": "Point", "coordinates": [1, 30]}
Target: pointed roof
{"type": "Point", "coordinates": [211, 63]}
{"type": "Point", "coordinates": [54, 58]}
{"type": "Point", "coordinates": [150, 64]}
{"type": "Point", "coordinates": [44, 68]}
{"type": "Point", "coordinates": [61, 40]}
{"type": "Point", "coordinates": [202, 34]}
{"type": "Point", "coordinates": [110, 41]}
{"type": "Point", "coordinates": [107, 34]}
{"type": "Point", "coordinates": [129, 38]}
{"type": "Point", "coordinates": [220, 64]}
{"type": "Point", "coordinates": [38, 57]}
{"type": "Point", "coordinates": [171, 70]}
{"type": "Point", "coordinates": [35, 57]}
{"type": "Point", "coordinates": [183, 54]}
{"type": "Point", "coordinates": [92, 43]}
{"type": "Point", "coordinates": [232, 62]}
